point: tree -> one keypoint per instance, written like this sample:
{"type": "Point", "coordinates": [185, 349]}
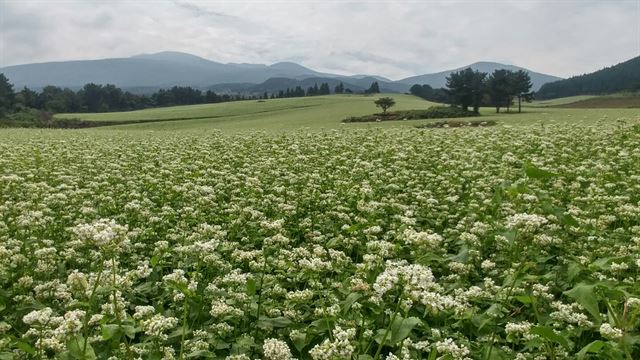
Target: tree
{"type": "Point", "coordinates": [428, 93]}
{"type": "Point", "coordinates": [7, 96]}
{"type": "Point", "coordinates": [373, 89]}
{"type": "Point", "coordinates": [521, 85]}
{"type": "Point", "coordinates": [385, 103]}
{"type": "Point", "coordinates": [339, 89]}
{"type": "Point", "coordinates": [324, 89]}
{"type": "Point", "coordinates": [466, 88]}
{"type": "Point", "coordinates": [27, 98]}
{"type": "Point", "coordinates": [499, 88]}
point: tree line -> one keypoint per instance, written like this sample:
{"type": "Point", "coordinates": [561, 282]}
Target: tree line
{"type": "Point", "coordinates": [101, 98]}
{"type": "Point", "coordinates": [471, 88]}
{"type": "Point", "coordinates": [621, 77]}
{"type": "Point", "coordinates": [106, 98]}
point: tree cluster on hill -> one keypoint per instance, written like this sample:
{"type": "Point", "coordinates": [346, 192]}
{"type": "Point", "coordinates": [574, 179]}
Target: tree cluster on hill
{"type": "Point", "coordinates": [100, 98]}
{"type": "Point", "coordinates": [373, 89]}
{"type": "Point", "coordinates": [105, 98]}
{"type": "Point", "coordinates": [473, 88]}
{"type": "Point", "coordinates": [428, 93]}
{"type": "Point", "coordinates": [621, 77]}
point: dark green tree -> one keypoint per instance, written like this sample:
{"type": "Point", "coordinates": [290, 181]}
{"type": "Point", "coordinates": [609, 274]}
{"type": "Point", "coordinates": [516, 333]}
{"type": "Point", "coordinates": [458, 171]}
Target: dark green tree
{"type": "Point", "coordinates": [499, 88]}
{"type": "Point", "coordinates": [521, 85]}
{"type": "Point", "coordinates": [339, 89]}
{"type": "Point", "coordinates": [324, 89]}
{"type": "Point", "coordinates": [27, 98]}
{"type": "Point", "coordinates": [466, 88]}
{"type": "Point", "coordinates": [7, 96]}
{"type": "Point", "coordinates": [385, 103]}
{"type": "Point", "coordinates": [373, 89]}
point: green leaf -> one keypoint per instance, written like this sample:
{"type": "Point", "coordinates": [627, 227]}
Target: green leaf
{"type": "Point", "coordinates": [251, 287]}
{"type": "Point", "coordinates": [154, 261]}
{"type": "Point", "coordinates": [433, 354]}
{"type": "Point", "coordinates": [75, 347]}
{"type": "Point", "coordinates": [573, 270]}
{"type": "Point", "coordinates": [129, 330]}
{"type": "Point", "coordinates": [277, 322]}
{"type": "Point", "coordinates": [548, 333]}
{"type": "Point", "coordinates": [584, 294]}
{"type": "Point", "coordinates": [349, 301]}
{"type": "Point", "coordinates": [592, 348]}
{"type": "Point", "coordinates": [299, 340]}
{"type": "Point", "coordinates": [26, 347]}
{"type": "Point", "coordinates": [401, 328]}
{"type": "Point", "coordinates": [536, 173]}
{"type": "Point", "coordinates": [199, 354]}
{"type": "Point", "coordinates": [525, 299]}
{"type": "Point", "coordinates": [110, 331]}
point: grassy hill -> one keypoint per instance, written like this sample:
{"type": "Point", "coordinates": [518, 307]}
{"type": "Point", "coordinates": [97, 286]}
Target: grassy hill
{"type": "Point", "coordinates": [322, 112]}
{"type": "Point", "coordinates": [261, 114]}
{"type": "Point", "coordinates": [621, 77]}
{"type": "Point", "coordinates": [612, 101]}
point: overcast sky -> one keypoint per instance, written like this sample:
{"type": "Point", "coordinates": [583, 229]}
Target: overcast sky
{"type": "Point", "coordinates": [390, 38]}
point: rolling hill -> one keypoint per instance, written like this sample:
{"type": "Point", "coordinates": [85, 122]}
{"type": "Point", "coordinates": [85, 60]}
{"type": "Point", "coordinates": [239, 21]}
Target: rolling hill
{"type": "Point", "coordinates": [621, 77]}
{"type": "Point", "coordinates": [438, 80]}
{"type": "Point", "coordinates": [159, 70]}
{"type": "Point", "coordinates": [147, 73]}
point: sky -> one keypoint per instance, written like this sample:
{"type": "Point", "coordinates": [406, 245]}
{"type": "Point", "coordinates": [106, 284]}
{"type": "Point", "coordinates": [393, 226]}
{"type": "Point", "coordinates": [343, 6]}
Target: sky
{"type": "Point", "coordinates": [395, 39]}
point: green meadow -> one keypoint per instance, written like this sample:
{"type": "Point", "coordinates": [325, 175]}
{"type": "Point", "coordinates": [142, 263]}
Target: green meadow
{"type": "Point", "coordinates": [326, 112]}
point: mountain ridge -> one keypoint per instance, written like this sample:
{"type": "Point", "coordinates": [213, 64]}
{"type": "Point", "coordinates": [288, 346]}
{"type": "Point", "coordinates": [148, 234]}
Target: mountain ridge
{"type": "Point", "coordinates": [173, 68]}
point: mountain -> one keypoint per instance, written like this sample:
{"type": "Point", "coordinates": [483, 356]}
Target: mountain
{"type": "Point", "coordinates": [620, 77]}
{"type": "Point", "coordinates": [146, 73]}
{"type": "Point", "coordinates": [163, 69]}
{"type": "Point", "coordinates": [438, 80]}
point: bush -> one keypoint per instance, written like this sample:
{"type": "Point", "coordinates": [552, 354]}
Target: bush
{"type": "Point", "coordinates": [457, 123]}
{"type": "Point", "coordinates": [434, 112]}
{"type": "Point", "coordinates": [32, 118]}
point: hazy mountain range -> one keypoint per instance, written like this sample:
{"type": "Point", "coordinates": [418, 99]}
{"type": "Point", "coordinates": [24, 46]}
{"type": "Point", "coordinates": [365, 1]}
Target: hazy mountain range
{"type": "Point", "coordinates": [148, 72]}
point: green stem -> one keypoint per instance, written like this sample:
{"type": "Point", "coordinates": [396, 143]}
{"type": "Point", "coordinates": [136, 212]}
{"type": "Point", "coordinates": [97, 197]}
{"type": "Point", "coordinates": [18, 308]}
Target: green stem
{"type": "Point", "coordinates": [493, 334]}
{"type": "Point", "coordinates": [388, 330]}
{"type": "Point", "coordinates": [184, 328]}
{"type": "Point", "coordinates": [85, 321]}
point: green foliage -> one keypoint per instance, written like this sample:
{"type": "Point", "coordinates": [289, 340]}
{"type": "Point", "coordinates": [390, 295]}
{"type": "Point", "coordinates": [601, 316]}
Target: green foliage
{"type": "Point", "coordinates": [466, 87]}
{"type": "Point", "coordinates": [428, 93]}
{"type": "Point", "coordinates": [384, 103]}
{"type": "Point", "coordinates": [620, 77]}
{"type": "Point", "coordinates": [373, 89]}
{"type": "Point", "coordinates": [7, 95]}
{"type": "Point", "coordinates": [434, 112]}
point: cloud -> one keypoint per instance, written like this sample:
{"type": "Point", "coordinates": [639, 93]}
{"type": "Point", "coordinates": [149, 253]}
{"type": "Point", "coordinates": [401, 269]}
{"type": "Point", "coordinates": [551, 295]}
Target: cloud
{"type": "Point", "coordinates": [390, 38]}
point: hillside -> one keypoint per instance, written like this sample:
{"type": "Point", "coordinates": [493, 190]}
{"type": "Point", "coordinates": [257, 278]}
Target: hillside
{"type": "Point", "coordinates": [272, 114]}
{"type": "Point", "coordinates": [149, 71]}
{"type": "Point", "coordinates": [438, 80]}
{"type": "Point", "coordinates": [620, 77]}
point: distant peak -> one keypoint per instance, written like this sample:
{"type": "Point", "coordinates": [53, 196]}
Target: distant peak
{"type": "Point", "coordinates": [176, 56]}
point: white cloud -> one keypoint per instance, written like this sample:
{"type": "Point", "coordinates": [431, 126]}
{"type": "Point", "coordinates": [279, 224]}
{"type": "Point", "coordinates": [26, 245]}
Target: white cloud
{"type": "Point", "coordinates": [389, 38]}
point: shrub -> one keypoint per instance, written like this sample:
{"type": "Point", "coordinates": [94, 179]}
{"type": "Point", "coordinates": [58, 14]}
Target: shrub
{"type": "Point", "coordinates": [434, 112]}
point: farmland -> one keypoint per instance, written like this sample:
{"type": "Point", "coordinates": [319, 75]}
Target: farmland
{"type": "Point", "coordinates": [309, 239]}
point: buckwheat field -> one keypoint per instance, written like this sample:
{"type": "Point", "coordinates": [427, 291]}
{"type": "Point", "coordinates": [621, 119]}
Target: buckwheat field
{"type": "Point", "coordinates": [487, 243]}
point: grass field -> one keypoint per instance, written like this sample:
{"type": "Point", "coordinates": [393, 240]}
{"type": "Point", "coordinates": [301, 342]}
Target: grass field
{"type": "Point", "coordinates": [276, 113]}
{"type": "Point", "coordinates": [559, 101]}
{"type": "Point", "coordinates": [613, 101]}
{"type": "Point", "coordinates": [322, 112]}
